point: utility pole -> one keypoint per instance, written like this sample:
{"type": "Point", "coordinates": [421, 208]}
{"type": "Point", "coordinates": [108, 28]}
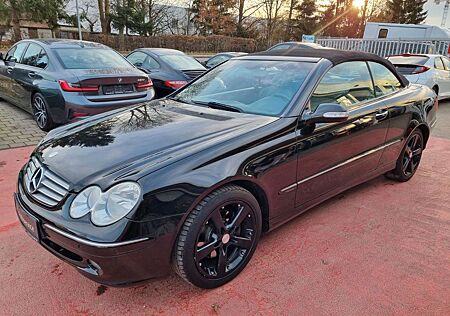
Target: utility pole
{"type": "Point", "coordinates": [445, 13]}
{"type": "Point", "coordinates": [78, 19]}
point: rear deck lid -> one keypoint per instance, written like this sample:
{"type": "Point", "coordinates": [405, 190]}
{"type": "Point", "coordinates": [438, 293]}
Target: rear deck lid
{"type": "Point", "coordinates": [103, 74]}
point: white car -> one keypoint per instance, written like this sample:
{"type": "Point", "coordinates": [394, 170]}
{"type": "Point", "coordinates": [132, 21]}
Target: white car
{"type": "Point", "coordinates": [430, 70]}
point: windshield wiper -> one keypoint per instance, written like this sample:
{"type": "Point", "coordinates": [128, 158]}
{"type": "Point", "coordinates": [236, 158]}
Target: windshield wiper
{"type": "Point", "coordinates": [218, 105]}
{"type": "Point", "coordinates": [178, 100]}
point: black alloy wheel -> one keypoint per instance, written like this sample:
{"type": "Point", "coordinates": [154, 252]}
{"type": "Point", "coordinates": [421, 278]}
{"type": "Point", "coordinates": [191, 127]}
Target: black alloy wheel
{"type": "Point", "coordinates": [409, 159]}
{"type": "Point", "coordinates": [218, 238]}
{"type": "Point", "coordinates": [40, 112]}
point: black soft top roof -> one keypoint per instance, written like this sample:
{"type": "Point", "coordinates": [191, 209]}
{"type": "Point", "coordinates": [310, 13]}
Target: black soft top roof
{"type": "Point", "coordinates": [335, 56]}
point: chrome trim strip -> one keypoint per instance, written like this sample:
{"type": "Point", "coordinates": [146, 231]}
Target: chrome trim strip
{"type": "Point", "coordinates": [93, 243]}
{"type": "Point", "coordinates": [59, 182]}
{"type": "Point", "coordinates": [294, 185]}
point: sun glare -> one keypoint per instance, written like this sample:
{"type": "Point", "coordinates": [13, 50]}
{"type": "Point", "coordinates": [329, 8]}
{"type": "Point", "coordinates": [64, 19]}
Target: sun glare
{"type": "Point", "coordinates": [358, 3]}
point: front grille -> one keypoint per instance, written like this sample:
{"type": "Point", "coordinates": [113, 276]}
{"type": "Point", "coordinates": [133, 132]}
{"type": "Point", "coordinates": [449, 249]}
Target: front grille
{"type": "Point", "coordinates": [192, 74]}
{"type": "Point", "coordinates": [43, 185]}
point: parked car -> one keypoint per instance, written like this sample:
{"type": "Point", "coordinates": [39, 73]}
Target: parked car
{"type": "Point", "coordinates": [303, 45]}
{"type": "Point", "coordinates": [221, 57]}
{"type": "Point", "coordinates": [192, 180]}
{"type": "Point", "coordinates": [430, 70]}
{"type": "Point", "coordinates": [60, 81]}
{"type": "Point", "coordinates": [169, 69]}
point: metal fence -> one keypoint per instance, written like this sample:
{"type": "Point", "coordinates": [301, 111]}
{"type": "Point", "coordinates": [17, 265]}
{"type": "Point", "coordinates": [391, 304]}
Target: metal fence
{"type": "Point", "coordinates": [386, 47]}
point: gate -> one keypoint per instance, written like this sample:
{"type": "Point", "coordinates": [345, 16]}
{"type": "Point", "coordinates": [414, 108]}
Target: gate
{"type": "Point", "coordinates": [387, 47]}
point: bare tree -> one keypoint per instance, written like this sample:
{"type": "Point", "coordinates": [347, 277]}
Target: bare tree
{"type": "Point", "coordinates": [289, 21]}
{"type": "Point", "coordinates": [87, 15]}
{"type": "Point", "coordinates": [104, 8]}
{"type": "Point", "coordinates": [246, 10]}
{"type": "Point", "coordinates": [272, 10]}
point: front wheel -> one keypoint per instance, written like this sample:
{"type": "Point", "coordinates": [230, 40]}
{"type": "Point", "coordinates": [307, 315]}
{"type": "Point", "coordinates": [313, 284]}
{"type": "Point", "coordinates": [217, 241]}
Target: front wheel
{"type": "Point", "coordinates": [409, 159]}
{"type": "Point", "coordinates": [218, 238]}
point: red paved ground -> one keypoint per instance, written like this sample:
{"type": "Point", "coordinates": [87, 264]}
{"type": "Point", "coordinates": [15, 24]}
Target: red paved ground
{"type": "Point", "coordinates": [380, 248]}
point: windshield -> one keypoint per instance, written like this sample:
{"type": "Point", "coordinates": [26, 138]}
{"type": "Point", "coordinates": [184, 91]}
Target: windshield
{"type": "Point", "coordinates": [181, 62]}
{"type": "Point", "coordinates": [251, 86]}
{"type": "Point", "coordinates": [90, 58]}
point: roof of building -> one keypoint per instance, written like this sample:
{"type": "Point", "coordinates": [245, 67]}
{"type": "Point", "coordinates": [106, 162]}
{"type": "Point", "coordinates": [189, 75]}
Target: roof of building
{"type": "Point", "coordinates": [335, 56]}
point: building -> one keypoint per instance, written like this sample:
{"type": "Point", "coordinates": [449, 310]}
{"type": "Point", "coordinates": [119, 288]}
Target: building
{"type": "Point", "coordinates": [32, 29]}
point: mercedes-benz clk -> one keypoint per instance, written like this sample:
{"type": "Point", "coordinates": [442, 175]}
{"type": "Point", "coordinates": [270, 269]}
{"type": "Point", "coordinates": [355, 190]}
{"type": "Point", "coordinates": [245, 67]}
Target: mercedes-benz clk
{"type": "Point", "coordinates": [193, 180]}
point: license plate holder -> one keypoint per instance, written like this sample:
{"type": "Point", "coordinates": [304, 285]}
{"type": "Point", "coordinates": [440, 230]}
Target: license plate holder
{"type": "Point", "coordinates": [118, 89]}
{"type": "Point", "coordinates": [29, 222]}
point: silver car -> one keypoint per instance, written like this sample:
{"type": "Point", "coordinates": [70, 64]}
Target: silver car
{"type": "Point", "coordinates": [429, 70]}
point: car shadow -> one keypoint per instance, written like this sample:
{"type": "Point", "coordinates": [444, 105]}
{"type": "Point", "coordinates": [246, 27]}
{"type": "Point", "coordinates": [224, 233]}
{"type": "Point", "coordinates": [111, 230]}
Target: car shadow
{"type": "Point", "coordinates": [172, 286]}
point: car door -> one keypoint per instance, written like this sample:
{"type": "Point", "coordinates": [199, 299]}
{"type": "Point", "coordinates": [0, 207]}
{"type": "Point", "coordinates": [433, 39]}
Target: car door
{"type": "Point", "coordinates": [10, 88]}
{"type": "Point", "coordinates": [446, 87]}
{"type": "Point", "coordinates": [397, 99]}
{"type": "Point", "coordinates": [332, 156]}
{"type": "Point", "coordinates": [29, 71]}
{"type": "Point", "coordinates": [440, 75]}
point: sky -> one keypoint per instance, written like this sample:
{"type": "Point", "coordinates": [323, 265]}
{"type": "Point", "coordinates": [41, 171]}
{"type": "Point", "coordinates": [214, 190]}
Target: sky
{"type": "Point", "coordinates": [435, 13]}
{"type": "Point", "coordinates": [434, 10]}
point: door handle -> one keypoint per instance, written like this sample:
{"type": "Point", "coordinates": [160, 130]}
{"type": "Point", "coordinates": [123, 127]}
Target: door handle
{"type": "Point", "coordinates": [31, 74]}
{"type": "Point", "coordinates": [9, 70]}
{"type": "Point", "coordinates": [381, 115]}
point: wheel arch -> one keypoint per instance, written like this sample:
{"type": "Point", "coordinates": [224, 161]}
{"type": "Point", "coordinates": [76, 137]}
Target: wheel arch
{"type": "Point", "coordinates": [423, 128]}
{"type": "Point", "coordinates": [425, 132]}
{"type": "Point", "coordinates": [260, 196]}
{"type": "Point", "coordinates": [33, 93]}
{"type": "Point", "coordinates": [435, 88]}
{"type": "Point", "coordinates": [247, 183]}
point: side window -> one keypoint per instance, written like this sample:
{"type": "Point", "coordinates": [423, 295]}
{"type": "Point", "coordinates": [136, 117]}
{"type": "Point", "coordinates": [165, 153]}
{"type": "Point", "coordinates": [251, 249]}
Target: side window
{"type": "Point", "coordinates": [151, 63]}
{"type": "Point", "coordinates": [281, 46]}
{"type": "Point", "coordinates": [438, 64]}
{"type": "Point", "coordinates": [35, 56]}
{"type": "Point", "coordinates": [137, 58]}
{"type": "Point", "coordinates": [348, 84]}
{"type": "Point", "coordinates": [16, 52]}
{"type": "Point", "coordinates": [383, 33]}
{"type": "Point", "coordinates": [446, 62]}
{"type": "Point", "coordinates": [216, 60]}
{"type": "Point", "coordinates": [385, 81]}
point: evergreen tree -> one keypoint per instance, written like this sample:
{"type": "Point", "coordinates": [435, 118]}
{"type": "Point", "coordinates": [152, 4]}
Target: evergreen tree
{"type": "Point", "coordinates": [305, 15]}
{"type": "Point", "coordinates": [407, 11]}
{"type": "Point", "coordinates": [49, 11]}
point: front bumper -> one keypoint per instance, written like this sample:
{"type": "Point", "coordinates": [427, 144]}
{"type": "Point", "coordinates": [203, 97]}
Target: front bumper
{"type": "Point", "coordinates": [113, 264]}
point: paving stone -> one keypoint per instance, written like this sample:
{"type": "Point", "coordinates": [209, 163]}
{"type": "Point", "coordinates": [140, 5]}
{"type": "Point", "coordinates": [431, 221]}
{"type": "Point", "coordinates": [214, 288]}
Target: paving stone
{"type": "Point", "coordinates": [17, 127]}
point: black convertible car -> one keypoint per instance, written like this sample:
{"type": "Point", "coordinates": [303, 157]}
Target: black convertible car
{"type": "Point", "coordinates": [192, 181]}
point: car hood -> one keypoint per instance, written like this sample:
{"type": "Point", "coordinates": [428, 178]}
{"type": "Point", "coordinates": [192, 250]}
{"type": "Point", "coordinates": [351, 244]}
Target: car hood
{"type": "Point", "coordinates": [131, 143]}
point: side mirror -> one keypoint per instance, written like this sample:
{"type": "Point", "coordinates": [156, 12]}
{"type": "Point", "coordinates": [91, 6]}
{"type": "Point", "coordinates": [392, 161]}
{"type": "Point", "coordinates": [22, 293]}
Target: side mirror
{"type": "Point", "coordinates": [1, 56]}
{"type": "Point", "coordinates": [327, 113]}
{"type": "Point", "coordinates": [12, 60]}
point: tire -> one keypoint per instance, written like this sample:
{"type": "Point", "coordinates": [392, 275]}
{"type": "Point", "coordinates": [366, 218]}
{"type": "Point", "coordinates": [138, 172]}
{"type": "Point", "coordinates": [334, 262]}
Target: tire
{"type": "Point", "coordinates": [218, 238]}
{"type": "Point", "coordinates": [409, 159]}
{"type": "Point", "coordinates": [41, 114]}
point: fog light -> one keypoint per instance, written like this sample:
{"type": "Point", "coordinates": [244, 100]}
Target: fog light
{"type": "Point", "coordinates": [95, 266]}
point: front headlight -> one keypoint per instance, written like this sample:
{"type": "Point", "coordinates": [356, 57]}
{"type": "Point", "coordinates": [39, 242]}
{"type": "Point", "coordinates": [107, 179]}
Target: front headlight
{"type": "Point", "coordinates": [107, 207]}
